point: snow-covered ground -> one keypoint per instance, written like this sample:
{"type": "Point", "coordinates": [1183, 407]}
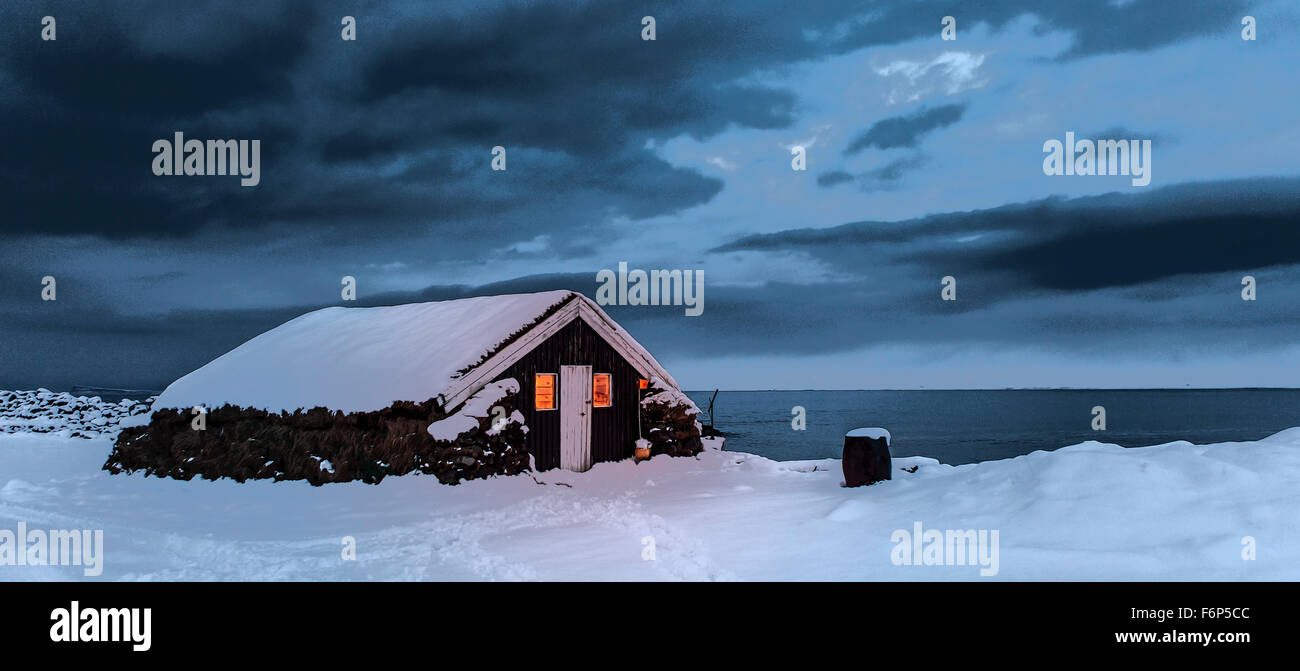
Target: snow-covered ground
{"type": "Point", "coordinates": [1091, 511]}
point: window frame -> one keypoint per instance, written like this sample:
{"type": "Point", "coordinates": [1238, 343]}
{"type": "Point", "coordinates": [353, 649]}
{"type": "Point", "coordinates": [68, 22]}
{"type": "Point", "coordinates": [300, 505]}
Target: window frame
{"type": "Point", "coordinates": [555, 381]}
{"type": "Point", "coordinates": [609, 388]}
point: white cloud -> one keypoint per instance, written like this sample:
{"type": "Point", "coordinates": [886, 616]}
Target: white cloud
{"type": "Point", "coordinates": [721, 163]}
{"type": "Point", "coordinates": [811, 141]}
{"type": "Point", "coordinates": [387, 267]}
{"type": "Point", "coordinates": [537, 245]}
{"type": "Point", "coordinates": [951, 71]}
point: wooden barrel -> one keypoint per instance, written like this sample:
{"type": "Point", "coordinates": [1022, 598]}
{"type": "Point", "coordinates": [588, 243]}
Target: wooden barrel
{"type": "Point", "coordinates": [866, 457]}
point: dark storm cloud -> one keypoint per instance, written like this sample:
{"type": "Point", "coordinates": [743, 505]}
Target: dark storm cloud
{"type": "Point", "coordinates": [340, 121]}
{"type": "Point", "coordinates": [82, 112]}
{"type": "Point", "coordinates": [886, 305]}
{"type": "Point", "coordinates": [857, 312]}
{"type": "Point", "coordinates": [335, 154]}
{"type": "Point", "coordinates": [1142, 25]}
{"type": "Point", "coordinates": [1115, 240]}
{"type": "Point", "coordinates": [894, 170]}
{"type": "Point", "coordinates": [905, 131]}
{"type": "Point", "coordinates": [884, 178]}
{"type": "Point", "coordinates": [111, 63]}
{"type": "Point", "coordinates": [834, 178]}
{"type": "Point", "coordinates": [367, 142]}
{"type": "Point", "coordinates": [114, 349]}
{"type": "Point", "coordinates": [1161, 259]}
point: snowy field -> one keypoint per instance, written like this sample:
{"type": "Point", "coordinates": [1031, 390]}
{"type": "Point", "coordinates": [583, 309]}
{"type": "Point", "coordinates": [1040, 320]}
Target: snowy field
{"type": "Point", "coordinates": [1087, 512]}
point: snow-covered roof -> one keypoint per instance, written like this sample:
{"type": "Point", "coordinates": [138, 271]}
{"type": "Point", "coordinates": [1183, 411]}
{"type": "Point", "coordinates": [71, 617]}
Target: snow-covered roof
{"type": "Point", "coordinates": [364, 359]}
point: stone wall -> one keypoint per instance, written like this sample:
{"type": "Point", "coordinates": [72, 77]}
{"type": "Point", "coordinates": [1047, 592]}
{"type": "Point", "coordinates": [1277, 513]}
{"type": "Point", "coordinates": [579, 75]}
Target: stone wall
{"type": "Point", "coordinates": [669, 420]}
{"type": "Point", "coordinates": [318, 445]}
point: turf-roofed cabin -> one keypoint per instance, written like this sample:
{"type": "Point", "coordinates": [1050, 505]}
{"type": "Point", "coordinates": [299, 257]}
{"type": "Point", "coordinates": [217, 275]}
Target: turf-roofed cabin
{"type": "Point", "coordinates": [459, 389]}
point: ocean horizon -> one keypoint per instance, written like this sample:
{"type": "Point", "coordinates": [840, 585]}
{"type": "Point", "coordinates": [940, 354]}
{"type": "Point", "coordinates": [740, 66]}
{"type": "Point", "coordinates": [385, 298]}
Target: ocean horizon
{"type": "Point", "coordinates": [959, 426]}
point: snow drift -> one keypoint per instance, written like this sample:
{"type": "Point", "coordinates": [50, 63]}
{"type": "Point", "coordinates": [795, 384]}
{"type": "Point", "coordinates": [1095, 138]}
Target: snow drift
{"type": "Point", "coordinates": [1088, 512]}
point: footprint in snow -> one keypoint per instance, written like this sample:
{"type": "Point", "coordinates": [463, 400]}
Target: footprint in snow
{"type": "Point", "coordinates": [849, 511]}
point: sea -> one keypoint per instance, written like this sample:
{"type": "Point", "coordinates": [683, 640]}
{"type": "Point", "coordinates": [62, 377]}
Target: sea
{"type": "Point", "coordinates": [966, 426]}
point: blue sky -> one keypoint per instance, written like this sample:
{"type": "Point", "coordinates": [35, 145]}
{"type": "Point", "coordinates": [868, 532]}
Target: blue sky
{"type": "Point", "coordinates": [669, 154]}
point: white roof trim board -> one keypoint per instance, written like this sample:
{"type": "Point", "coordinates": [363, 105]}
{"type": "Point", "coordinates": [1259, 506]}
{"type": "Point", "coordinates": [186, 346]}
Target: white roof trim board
{"type": "Point", "coordinates": [582, 308]}
{"type": "Point", "coordinates": [364, 359]}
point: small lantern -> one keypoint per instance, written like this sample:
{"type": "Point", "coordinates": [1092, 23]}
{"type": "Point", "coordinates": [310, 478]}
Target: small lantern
{"type": "Point", "coordinates": [643, 384]}
{"type": "Point", "coordinates": [642, 449]}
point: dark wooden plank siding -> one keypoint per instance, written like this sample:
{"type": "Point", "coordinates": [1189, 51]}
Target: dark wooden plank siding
{"type": "Point", "coordinates": [613, 429]}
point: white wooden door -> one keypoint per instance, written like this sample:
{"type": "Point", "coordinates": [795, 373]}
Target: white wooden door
{"type": "Point", "coordinates": [575, 417]}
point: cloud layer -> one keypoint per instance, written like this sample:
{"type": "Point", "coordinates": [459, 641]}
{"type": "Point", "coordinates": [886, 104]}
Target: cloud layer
{"type": "Point", "coordinates": [668, 153]}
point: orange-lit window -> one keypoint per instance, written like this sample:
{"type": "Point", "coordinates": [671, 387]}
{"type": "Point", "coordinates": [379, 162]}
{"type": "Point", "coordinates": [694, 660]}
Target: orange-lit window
{"type": "Point", "coordinates": [600, 393]}
{"type": "Point", "coordinates": [544, 391]}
